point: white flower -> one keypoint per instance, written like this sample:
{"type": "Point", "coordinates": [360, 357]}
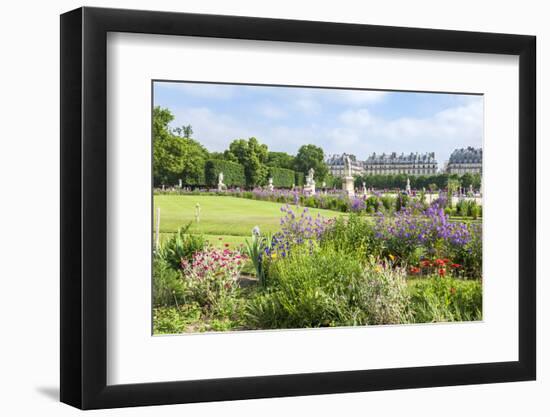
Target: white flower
{"type": "Point", "coordinates": [256, 231]}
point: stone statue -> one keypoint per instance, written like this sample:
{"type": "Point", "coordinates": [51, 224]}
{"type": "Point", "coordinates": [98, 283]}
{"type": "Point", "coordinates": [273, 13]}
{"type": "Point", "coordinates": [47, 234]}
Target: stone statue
{"type": "Point", "coordinates": [408, 187]}
{"type": "Point", "coordinates": [309, 188]}
{"type": "Point", "coordinates": [347, 166]}
{"type": "Point", "coordinates": [270, 184]}
{"type": "Point", "coordinates": [221, 185]}
{"type": "Point", "coordinates": [309, 178]}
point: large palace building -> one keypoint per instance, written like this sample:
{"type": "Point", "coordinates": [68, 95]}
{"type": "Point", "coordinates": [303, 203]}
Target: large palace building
{"type": "Point", "coordinates": [387, 164]}
{"type": "Point", "coordinates": [411, 164]}
{"type": "Point", "coordinates": [465, 160]}
{"type": "Point", "coordinates": [336, 165]}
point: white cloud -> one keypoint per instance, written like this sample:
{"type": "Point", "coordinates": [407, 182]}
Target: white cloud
{"type": "Point", "coordinates": [358, 130]}
{"type": "Point", "coordinates": [453, 127]}
{"type": "Point", "coordinates": [361, 117]}
{"type": "Point", "coordinates": [271, 111]}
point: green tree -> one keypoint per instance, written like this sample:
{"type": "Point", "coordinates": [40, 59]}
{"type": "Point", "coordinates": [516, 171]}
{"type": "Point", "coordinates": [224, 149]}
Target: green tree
{"type": "Point", "coordinates": [311, 156]}
{"type": "Point", "coordinates": [175, 157]}
{"type": "Point", "coordinates": [466, 180]}
{"type": "Point", "coordinates": [280, 160]}
{"type": "Point", "coordinates": [252, 155]}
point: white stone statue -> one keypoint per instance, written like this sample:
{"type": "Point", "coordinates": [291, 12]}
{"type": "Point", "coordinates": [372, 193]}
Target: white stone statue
{"type": "Point", "coordinates": [270, 184]}
{"type": "Point", "coordinates": [408, 187]}
{"type": "Point", "coordinates": [310, 182]}
{"type": "Point", "coordinates": [221, 185]}
{"type": "Point", "coordinates": [364, 188]}
{"type": "Point", "coordinates": [347, 166]}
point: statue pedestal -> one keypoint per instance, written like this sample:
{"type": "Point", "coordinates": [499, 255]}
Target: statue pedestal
{"type": "Point", "coordinates": [347, 186]}
{"type": "Point", "coordinates": [309, 189]}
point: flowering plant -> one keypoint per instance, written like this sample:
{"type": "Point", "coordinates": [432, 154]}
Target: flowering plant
{"type": "Point", "coordinates": [212, 274]}
{"type": "Point", "coordinates": [413, 232]}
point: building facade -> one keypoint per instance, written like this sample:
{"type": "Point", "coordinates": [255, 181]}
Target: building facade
{"type": "Point", "coordinates": [411, 164]}
{"type": "Point", "coordinates": [465, 160]}
{"type": "Point", "coordinates": [385, 164]}
{"type": "Point", "coordinates": [336, 165]}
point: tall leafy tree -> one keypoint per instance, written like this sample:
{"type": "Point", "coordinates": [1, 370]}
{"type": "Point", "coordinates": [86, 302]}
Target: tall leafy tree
{"type": "Point", "coordinates": [311, 156]}
{"type": "Point", "coordinates": [280, 160]}
{"type": "Point", "coordinates": [175, 157]}
{"type": "Point", "coordinates": [252, 155]}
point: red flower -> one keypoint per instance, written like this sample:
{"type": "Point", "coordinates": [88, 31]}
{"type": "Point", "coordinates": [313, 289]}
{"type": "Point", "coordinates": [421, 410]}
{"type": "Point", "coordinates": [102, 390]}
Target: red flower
{"type": "Point", "coordinates": [441, 272]}
{"type": "Point", "coordinates": [425, 263]}
{"type": "Point", "coordinates": [226, 245]}
{"type": "Point", "coordinates": [414, 270]}
{"type": "Point", "coordinates": [447, 261]}
{"type": "Point", "coordinates": [456, 266]}
{"type": "Point", "coordinates": [440, 262]}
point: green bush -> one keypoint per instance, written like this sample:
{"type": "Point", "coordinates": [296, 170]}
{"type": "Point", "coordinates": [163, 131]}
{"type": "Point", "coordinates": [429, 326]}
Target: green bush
{"type": "Point", "coordinates": [388, 202]}
{"type": "Point", "coordinates": [308, 290]}
{"type": "Point", "coordinates": [167, 284]}
{"type": "Point", "coordinates": [353, 235]}
{"type": "Point", "coordinates": [173, 320]}
{"type": "Point", "coordinates": [383, 295]}
{"type": "Point", "coordinates": [440, 299]}
{"type": "Point", "coordinates": [233, 173]}
{"type": "Point", "coordinates": [299, 179]}
{"type": "Point", "coordinates": [282, 178]}
{"type": "Point", "coordinates": [181, 245]}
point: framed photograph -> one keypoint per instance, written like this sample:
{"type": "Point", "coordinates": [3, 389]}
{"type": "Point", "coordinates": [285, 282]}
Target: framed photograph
{"type": "Point", "coordinates": [257, 208]}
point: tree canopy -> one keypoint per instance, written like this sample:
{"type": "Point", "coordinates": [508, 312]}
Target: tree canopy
{"type": "Point", "coordinates": [311, 156]}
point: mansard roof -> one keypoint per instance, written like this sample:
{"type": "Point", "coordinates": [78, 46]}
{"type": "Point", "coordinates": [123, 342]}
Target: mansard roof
{"type": "Point", "coordinates": [467, 155]}
{"type": "Point", "coordinates": [394, 158]}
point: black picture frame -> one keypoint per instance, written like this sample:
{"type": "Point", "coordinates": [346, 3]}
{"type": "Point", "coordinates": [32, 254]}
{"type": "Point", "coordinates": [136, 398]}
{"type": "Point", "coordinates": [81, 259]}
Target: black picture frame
{"type": "Point", "coordinates": [84, 207]}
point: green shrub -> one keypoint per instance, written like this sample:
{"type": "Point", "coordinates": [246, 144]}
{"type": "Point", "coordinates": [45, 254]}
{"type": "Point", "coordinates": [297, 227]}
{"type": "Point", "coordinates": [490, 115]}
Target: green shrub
{"type": "Point", "coordinates": [282, 178]}
{"type": "Point", "coordinates": [167, 284]}
{"type": "Point", "coordinates": [181, 246]}
{"type": "Point", "coordinates": [308, 290]}
{"type": "Point", "coordinates": [440, 299]}
{"type": "Point", "coordinates": [233, 173]}
{"type": "Point", "coordinates": [353, 235]}
{"type": "Point", "coordinates": [383, 295]}
{"type": "Point", "coordinates": [299, 179]}
{"type": "Point", "coordinates": [173, 320]}
{"type": "Point", "coordinates": [388, 202]}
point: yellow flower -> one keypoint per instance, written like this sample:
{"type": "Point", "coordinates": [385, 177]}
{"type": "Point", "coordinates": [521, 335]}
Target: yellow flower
{"type": "Point", "coordinates": [378, 268]}
{"type": "Point", "coordinates": [273, 255]}
{"type": "Point", "coordinates": [392, 257]}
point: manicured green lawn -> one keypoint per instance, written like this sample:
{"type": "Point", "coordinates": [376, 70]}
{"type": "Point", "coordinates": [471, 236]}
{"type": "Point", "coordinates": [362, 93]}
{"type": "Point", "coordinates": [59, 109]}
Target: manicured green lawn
{"type": "Point", "coordinates": [228, 217]}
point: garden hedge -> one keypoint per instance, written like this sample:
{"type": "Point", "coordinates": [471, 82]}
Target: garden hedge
{"type": "Point", "coordinates": [299, 178]}
{"type": "Point", "coordinates": [282, 177]}
{"type": "Point", "coordinates": [233, 173]}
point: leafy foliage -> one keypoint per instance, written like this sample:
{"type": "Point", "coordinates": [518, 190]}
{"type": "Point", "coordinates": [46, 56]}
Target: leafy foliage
{"type": "Point", "coordinates": [252, 155]}
{"type": "Point", "coordinates": [175, 157]}
{"type": "Point", "coordinates": [311, 156]}
{"type": "Point", "coordinates": [233, 173]}
{"type": "Point", "coordinates": [282, 177]}
{"type": "Point", "coordinates": [446, 299]}
{"type": "Point", "coordinates": [181, 246]}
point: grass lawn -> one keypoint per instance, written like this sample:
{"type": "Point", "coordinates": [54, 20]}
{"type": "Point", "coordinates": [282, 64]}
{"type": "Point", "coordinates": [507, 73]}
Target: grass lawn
{"type": "Point", "coordinates": [230, 218]}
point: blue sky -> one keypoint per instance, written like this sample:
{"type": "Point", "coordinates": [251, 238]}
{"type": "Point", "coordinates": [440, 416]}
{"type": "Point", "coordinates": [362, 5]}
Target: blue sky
{"type": "Point", "coordinates": [352, 121]}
